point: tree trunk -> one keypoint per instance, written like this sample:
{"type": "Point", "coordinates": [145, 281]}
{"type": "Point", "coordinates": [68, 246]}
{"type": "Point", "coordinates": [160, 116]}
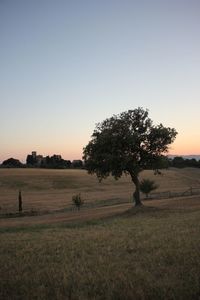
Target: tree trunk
{"type": "Point", "coordinates": [136, 194]}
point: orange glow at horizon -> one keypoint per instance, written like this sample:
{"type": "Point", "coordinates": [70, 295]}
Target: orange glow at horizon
{"type": "Point", "coordinates": [186, 145]}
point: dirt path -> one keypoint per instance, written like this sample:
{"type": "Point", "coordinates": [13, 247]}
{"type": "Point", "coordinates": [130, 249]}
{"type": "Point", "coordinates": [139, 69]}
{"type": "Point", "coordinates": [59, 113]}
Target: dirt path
{"type": "Point", "coordinates": [186, 203]}
{"type": "Point", "coordinates": [82, 215]}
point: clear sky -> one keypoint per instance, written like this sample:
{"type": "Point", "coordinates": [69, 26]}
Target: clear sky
{"type": "Point", "coordinates": [67, 64]}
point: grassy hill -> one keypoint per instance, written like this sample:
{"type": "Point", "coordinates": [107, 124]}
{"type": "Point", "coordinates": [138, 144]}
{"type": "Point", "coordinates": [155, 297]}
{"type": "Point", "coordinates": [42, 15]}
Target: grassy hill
{"type": "Point", "coordinates": [104, 252]}
{"type": "Point", "coordinates": [50, 190]}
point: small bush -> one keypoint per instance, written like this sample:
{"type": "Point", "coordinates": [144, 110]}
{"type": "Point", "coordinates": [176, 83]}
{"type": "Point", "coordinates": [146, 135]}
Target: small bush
{"type": "Point", "coordinates": [77, 201]}
{"type": "Point", "coordinates": [147, 186]}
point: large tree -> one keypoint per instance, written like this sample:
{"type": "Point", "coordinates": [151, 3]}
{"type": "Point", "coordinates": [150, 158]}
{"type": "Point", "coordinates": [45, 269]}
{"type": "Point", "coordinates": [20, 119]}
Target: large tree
{"type": "Point", "coordinates": [127, 143]}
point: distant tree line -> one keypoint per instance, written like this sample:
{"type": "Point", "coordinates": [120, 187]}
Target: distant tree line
{"type": "Point", "coordinates": [38, 161]}
{"type": "Point", "coordinates": [57, 162]}
{"type": "Point", "coordinates": [180, 162]}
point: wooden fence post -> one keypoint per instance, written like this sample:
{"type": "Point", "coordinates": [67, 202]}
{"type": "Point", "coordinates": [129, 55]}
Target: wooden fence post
{"type": "Point", "coordinates": [20, 201]}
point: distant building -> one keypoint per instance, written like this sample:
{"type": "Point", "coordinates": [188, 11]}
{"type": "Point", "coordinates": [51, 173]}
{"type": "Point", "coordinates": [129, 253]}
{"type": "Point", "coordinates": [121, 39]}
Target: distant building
{"type": "Point", "coordinates": [39, 161]}
{"type": "Point", "coordinates": [55, 161]}
{"type": "Point", "coordinates": [34, 154]}
{"type": "Point", "coordinates": [34, 160]}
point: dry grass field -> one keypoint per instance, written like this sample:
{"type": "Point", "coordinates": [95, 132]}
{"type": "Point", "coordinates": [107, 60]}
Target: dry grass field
{"type": "Point", "coordinates": [52, 190]}
{"type": "Point", "coordinates": [112, 251]}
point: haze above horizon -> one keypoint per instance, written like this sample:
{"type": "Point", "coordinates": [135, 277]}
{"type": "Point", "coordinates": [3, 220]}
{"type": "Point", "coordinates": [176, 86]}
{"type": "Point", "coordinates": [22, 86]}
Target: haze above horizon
{"type": "Point", "coordinates": [67, 65]}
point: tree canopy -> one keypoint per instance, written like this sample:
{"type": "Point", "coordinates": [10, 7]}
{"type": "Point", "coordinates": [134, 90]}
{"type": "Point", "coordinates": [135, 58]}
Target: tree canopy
{"type": "Point", "coordinates": [12, 163]}
{"type": "Point", "coordinates": [127, 143]}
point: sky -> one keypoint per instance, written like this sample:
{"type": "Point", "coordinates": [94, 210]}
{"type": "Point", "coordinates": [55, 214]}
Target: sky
{"type": "Point", "coordinates": [66, 65]}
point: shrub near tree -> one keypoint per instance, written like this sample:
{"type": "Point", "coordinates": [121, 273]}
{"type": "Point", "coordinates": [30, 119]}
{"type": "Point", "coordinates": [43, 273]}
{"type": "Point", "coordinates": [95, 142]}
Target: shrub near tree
{"type": "Point", "coordinates": [147, 186]}
{"type": "Point", "coordinates": [127, 143]}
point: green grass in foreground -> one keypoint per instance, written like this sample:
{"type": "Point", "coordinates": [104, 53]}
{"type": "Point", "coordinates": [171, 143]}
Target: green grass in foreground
{"type": "Point", "coordinates": [150, 254]}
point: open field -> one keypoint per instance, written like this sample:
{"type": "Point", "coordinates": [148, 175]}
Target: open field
{"type": "Point", "coordinates": [145, 253]}
{"type": "Point", "coordinates": [52, 190]}
{"type": "Point", "coordinates": [102, 252]}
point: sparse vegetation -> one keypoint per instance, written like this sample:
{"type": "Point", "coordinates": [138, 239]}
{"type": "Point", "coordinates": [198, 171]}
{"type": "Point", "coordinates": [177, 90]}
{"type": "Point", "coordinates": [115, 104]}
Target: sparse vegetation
{"type": "Point", "coordinates": [147, 186]}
